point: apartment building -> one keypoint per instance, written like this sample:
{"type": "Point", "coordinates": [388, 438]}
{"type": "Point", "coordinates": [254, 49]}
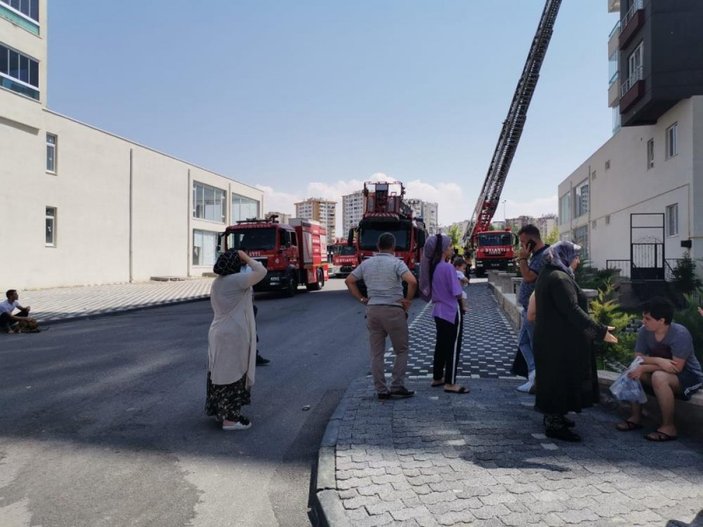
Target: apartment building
{"type": "Point", "coordinates": [636, 202]}
{"type": "Point", "coordinates": [83, 206]}
{"type": "Point", "coordinates": [320, 210]}
{"type": "Point", "coordinates": [352, 210]}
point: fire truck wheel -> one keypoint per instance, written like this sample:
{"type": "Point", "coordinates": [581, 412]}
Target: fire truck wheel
{"type": "Point", "coordinates": [319, 284]}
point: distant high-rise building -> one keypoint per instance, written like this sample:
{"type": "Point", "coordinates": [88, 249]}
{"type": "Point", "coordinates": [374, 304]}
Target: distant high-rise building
{"type": "Point", "coordinates": [352, 210]}
{"type": "Point", "coordinates": [320, 210]}
{"type": "Point", "coordinates": [545, 223]}
{"type": "Point", "coordinates": [427, 211]}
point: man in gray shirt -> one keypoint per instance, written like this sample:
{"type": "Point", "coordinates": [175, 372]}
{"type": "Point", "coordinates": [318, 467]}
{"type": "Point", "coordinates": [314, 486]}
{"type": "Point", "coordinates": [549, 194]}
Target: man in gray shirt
{"type": "Point", "coordinates": [669, 365]}
{"type": "Point", "coordinates": [386, 312]}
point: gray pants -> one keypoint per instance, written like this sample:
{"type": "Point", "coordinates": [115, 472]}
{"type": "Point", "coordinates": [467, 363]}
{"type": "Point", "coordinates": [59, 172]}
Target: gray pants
{"type": "Point", "coordinates": [388, 321]}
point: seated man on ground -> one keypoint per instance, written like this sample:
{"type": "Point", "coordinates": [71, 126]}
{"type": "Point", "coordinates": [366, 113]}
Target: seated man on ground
{"type": "Point", "coordinates": [11, 322]}
{"type": "Point", "coordinates": [669, 366]}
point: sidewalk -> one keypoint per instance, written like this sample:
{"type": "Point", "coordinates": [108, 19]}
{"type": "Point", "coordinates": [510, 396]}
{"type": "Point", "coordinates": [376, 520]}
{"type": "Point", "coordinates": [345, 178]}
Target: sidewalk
{"type": "Point", "coordinates": [482, 458]}
{"type": "Point", "coordinates": [63, 303]}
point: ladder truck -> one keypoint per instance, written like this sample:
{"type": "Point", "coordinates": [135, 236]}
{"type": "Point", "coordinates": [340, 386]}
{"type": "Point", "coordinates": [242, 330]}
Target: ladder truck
{"type": "Point", "coordinates": [496, 249]}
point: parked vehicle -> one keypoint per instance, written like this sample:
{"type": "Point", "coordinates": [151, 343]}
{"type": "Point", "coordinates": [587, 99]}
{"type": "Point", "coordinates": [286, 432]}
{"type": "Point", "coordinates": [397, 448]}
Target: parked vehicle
{"type": "Point", "coordinates": [494, 250]}
{"type": "Point", "coordinates": [385, 211]}
{"type": "Point", "coordinates": [343, 258]}
{"type": "Point", "coordinates": [293, 253]}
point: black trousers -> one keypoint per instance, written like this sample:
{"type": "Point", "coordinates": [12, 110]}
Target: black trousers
{"type": "Point", "coordinates": [447, 348]}
{"type": "Point", "coordinates": [6, 321]}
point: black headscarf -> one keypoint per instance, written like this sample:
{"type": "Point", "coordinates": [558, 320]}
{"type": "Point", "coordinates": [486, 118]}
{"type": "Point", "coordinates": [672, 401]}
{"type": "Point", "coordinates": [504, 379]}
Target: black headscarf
{"type": "Point", "coordinates": [228, 262]}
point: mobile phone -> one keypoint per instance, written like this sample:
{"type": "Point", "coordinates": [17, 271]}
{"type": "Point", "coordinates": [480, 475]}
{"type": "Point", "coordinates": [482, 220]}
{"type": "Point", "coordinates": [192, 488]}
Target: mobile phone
{"type": "Point", "coordinates": [530, 245]}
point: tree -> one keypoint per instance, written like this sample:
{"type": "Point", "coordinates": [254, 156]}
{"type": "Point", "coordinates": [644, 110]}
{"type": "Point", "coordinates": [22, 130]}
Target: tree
{"type": "Point", "coordinates": [552, 237]}
{"type": "Point", "coordinates": [456, 236]}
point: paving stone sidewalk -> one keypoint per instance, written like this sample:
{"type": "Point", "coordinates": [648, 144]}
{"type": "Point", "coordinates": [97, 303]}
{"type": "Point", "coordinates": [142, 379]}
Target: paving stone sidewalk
{"type": "Point", "coordinates": [482, 458]}
{"type": "Point", "coordinates": [62, 303]}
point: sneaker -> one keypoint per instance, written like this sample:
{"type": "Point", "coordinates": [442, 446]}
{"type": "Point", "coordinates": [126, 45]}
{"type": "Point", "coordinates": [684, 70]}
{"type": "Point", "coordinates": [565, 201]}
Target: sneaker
{"type": "Point", "coordinates": [260, 361]}
{"type": "Point", "coordinates": [402, 392]}
{"type": "Point", "coordinates": [384, 395]}
{"type": "Point", "coordinates": [242, 424]}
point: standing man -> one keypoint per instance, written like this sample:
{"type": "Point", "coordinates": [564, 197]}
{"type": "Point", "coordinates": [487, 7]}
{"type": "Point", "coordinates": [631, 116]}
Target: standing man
{"type": "Point", "coordinates": [531, 261]}
{"type": "Point", "coordinates": [386, 312]}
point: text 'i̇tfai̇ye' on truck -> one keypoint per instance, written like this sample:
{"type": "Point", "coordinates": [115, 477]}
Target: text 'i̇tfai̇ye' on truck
{"type": "Point", "coordinates": [294, 254]}
{"type": "Point", "coordinates": [495, 249]}
{"type": "Point", "coordinates": [385, 211]}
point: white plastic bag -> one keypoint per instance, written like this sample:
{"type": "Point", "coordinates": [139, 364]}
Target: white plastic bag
{"type": "Point", "coordinates": [626, 389]}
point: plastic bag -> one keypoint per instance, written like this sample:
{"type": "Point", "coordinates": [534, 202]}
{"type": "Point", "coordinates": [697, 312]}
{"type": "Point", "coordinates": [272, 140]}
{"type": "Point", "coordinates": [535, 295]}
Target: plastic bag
{"type": "Point", "coordinates": [626, 389]}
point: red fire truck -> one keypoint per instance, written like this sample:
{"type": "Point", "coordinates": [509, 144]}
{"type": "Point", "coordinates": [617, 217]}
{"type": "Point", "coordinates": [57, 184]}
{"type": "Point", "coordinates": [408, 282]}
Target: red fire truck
{"type": "Point", "coordinates": [343, 258]}
{"type": "Point", "coordinates": [385, 211]}
{"type": "Point", "coordinates": [494, 250]}
{"type": "Point", "coordinates": [293, 254]}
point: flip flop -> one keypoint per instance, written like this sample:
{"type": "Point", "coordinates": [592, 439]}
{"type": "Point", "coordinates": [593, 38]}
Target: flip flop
{"type": "Point", "coordinates": [659, 437]}
{"type": "Point", "coordinates": [627, 426]}
{"type": "Point", "coordinates": [463, 389]}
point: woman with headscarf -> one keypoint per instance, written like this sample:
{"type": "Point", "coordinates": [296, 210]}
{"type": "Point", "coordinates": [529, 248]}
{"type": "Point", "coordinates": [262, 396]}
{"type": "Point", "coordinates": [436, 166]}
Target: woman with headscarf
{"type": "Point", "coordinates": [232, 339]}
{"type": "Point", "coordinates": [564, 334]}
{"type": "Point", "coordinates": [439, 283]}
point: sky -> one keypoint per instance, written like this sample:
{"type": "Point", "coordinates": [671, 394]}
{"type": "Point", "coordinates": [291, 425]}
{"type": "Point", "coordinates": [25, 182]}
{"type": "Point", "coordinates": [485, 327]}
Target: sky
{"type": "Point", "coordinates": [310, 98]}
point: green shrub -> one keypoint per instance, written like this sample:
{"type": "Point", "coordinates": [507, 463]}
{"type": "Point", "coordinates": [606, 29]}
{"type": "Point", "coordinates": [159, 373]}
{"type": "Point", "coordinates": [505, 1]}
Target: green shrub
{"type": "Point", "coordinates": [606, 310]}
{"type": "Point", "coordinates": [686, 280]}
{"type": "Point", "coordinates": [689, 317]}
{"type": "Point", "coordinates": [588, 277]}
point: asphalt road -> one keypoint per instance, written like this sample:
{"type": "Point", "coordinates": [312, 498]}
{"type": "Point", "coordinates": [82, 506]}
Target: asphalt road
{"type": "Point", "coordinates": [102, 422]}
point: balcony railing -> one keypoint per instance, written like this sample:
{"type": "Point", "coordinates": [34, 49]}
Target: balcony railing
{"type": "Point", "coordinates": [636, 6]}
{"type": "Point", "coordinates": [636, 75]}
{"type": "Point", "coordinates": [616, 30]}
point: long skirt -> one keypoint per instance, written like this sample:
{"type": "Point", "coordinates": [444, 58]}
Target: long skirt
{"type": "Point", "coordinates": [225, 401]}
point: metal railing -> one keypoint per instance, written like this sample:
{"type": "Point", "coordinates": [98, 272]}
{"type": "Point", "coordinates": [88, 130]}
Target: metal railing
{"type": "Point", "coordinates": [636, 6]}
{"type": "Point", "coordinates": [615, 30]}
{"type": "Point", "coordinates": [622, 265]}
{"type": "Point", "coordinates": [636, 75]}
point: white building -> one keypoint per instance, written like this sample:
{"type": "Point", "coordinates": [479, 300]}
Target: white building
{"type": "Point", "coordinates": [320, 210]}
{"type": "Point", "coordinates": [352, 210]}
{"type": "Point", "coordinates": [636, 200]}
{"type": "Point", "coordinates": [427, 211]}
{"type": "Point", "coordinates": [83, 206]}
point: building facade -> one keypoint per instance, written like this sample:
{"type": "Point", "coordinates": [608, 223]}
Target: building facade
{"type": "Point", "coordinates": [645, 184]}
{"type": "Point", "coordinates": [352, 210]}
{"type": "Point", "coordinates": [320, 210]}
{"type": "Point", "coordinates": [282, 216]}
{"type": "Point", "coordinates": [426, 210]}
{"type": "Point", "coordinates": [82, 206]}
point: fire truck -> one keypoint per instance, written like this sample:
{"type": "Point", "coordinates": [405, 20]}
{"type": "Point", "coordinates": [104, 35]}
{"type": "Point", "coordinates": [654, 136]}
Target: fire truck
{"type": "Point", "coordinates": [343, 258]}
{"type": "Point", "coordinates": [385, 211]}
{"type": "Point", "coordinates": [293, 254]}
{"type": "Point", "coordinates": [495, 249]}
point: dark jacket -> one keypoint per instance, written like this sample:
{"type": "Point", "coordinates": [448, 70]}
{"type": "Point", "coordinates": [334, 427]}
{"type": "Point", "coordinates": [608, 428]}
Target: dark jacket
{"type": "Point", "coordinates": [564, 334]}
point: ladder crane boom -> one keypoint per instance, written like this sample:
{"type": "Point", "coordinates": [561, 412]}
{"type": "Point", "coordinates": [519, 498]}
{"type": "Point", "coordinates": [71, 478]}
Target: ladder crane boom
{"type": "Point", "coordinates": [512, 126]}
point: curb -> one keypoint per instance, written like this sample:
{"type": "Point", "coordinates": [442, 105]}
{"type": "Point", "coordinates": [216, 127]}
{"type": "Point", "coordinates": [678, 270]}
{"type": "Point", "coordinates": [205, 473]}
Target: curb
{"type": "Point", "coordinates": [324, 499]}
{"type": "Point", "coordinates": [119, 310]}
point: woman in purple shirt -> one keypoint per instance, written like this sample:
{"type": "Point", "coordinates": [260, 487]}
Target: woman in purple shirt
{"type": "Point", "coordinates": [438, 281]}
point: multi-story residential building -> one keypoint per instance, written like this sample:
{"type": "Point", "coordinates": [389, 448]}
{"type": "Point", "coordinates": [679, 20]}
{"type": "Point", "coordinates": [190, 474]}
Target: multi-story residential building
{"type": "Point", "coordinates": [320, 210]}
{"type": "Point", "coordinates": [546, 223]}
{"type": "Point", "coordinates": [427, 211]}
{"type": "Point", "coordinates": [638, 197]}
{"type": "Point", "coordinates": [110, 210]}
{"type": "Point", "coordinates": [352, 210]}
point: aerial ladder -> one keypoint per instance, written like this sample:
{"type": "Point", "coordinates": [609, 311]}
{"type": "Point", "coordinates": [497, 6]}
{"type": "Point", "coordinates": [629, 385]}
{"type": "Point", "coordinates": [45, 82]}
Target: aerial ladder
{"type": "Point", "coordinates": [510, 134]}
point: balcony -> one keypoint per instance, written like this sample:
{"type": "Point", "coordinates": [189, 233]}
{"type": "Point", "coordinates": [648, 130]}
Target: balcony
{"type": "Point", "coordinates": [614, 39]}
{"type": "Point", "coordinates": [614, 91]}
{"type": "Point", "coordinates": [632, 22]}
{"type": "Point", "coordinates": [632, 89]}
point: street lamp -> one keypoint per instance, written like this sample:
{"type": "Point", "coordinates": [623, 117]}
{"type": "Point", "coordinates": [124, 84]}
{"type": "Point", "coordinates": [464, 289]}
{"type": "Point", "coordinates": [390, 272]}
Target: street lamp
{"type": "Point", "coordinates": [505, 216]}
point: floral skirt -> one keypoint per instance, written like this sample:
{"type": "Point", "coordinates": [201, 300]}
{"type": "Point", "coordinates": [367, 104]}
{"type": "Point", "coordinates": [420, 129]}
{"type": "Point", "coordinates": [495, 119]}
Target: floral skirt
{"type": "Point", "coordinates": [225, 401]}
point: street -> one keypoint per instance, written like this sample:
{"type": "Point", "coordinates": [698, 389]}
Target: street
{"type": "Point", "coordinates": [102, 423]}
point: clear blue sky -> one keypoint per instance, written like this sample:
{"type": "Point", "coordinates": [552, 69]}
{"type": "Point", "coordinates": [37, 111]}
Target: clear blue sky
{"type": "Point", "coordinates": [313, 97]}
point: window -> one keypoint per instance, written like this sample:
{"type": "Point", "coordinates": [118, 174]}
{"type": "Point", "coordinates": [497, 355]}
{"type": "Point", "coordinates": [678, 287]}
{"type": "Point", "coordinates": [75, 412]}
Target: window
{"type": "Point", "coordinates": [581, 238]}
{"type": "Point", "coordinates": [672, 220]}
{"type": "Point", "coordinates": [634, 68]}
{"type": "Point", "coordinates": [607, 219]}
{"type": "Point", "coordinates": [671, 141]}
{"type": "Point", "coordinates": [19, 72]}
{"type": "Point", "coordinates": [581, 199]}
{"type": "Point", "coordinates": [50, 224]}
{"type": "Point", "coordinates": [650, 154]}
{"type": "Point", "coordinates": [204, 247]}
{"type": "Point", "coordinates": [607, 164]}
{"type": "Point", "coordinates": [209, 203]}
{"type": "Point", "coordinates": [244, 208]}
{"type": "Point", "coordinates": [565, 208]}
{"type": "Point", "coordinates": [51, 153]}
{"type": "Point", "coordinates": [29, 8]}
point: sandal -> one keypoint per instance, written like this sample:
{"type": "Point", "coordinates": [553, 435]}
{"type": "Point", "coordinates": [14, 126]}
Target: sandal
{"type": "Point", "coordinates": [628, 426]}
{"type": "Point", "coordinates": [435, 383]}
{"type": "Point", "coordinates": [659, 437]}
{"type": "Point", "coordinates": [462, 389]}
